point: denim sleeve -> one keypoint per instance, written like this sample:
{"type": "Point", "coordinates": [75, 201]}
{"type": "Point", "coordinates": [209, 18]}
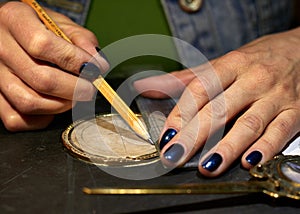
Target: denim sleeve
{"type": "Point", "coordinates": [221, 26]}
{"type": "Point", "coordinates": [77, 10]}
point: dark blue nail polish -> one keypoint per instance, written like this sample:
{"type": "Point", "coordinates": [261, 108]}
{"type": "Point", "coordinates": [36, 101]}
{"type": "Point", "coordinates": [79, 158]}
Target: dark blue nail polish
{"type": "Point", "coordinates": [167, 136]}
{"type": "Point", "coordinates": [174, 153]}
{"type": "Point", "coordinates": [89, 71]}
{"type": "Point", "coordinates": [212, 162]}
{"type": "Point", "coordinates": [254, 158]}
{"type": "Point", "coordinates": [100, 52]}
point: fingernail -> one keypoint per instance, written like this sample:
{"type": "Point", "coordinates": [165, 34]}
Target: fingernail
{"type": "Point", "coordinates": [167, 136]}
{"type": "Point", "coordinates": [89, 71]}
{"type": "Point", "coordinates": [212, 162]}
{"type": "Point", "coordinates": [174, 153]}
{"type": "Point", "coordinates": [100, 52]}
{"type": "Point", "coordinates": [254, 158]}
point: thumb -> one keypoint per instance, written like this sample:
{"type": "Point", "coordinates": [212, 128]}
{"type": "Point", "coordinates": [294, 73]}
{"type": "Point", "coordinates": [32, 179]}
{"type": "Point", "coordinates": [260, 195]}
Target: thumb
{"type": "Point", "coordinates": [164, 86]}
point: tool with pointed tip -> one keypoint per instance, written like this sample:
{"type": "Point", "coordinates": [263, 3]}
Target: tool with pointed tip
{"type": "Point", "coordinates": [280, 177]}
{"type": "Point", "coordinates": [120, 106]}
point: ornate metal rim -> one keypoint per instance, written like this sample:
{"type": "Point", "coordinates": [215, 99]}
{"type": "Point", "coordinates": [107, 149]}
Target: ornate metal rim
{"type": "Point", "coordinates": [280, 184]}
{"type": "Point", "coordinates": [103, 160]}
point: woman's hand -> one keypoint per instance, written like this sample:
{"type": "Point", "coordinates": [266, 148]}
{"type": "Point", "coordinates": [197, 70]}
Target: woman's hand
{"type": "Point", "coordinates": [32, 90]}
{"type": "Point", "coordinates": [258, 85]}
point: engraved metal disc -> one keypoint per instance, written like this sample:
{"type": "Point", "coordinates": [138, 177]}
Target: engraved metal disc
{"type": "Point", "coordinates": [107, 140]}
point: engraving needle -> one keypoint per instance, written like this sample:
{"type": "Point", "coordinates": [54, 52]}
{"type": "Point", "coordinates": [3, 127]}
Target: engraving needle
{"type": "Point", "coordinates": [120, 106]}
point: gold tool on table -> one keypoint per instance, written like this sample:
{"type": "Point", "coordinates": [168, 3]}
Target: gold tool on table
{"type": "Point", "coordinates": [279, 177]}
{"type": "Point", "coordinates": [120, 106]}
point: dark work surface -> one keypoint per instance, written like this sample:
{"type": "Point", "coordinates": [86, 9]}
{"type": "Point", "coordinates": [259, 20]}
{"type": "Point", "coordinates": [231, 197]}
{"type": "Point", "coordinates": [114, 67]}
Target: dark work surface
{"type": "Point", "coordinates": [37, 175]}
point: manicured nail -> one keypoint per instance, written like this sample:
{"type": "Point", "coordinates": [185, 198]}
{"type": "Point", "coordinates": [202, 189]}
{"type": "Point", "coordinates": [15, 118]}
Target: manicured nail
{"type": "Point", "coordinates": [254, 158]}
{"type": "Point", "coordinates": [212, 162]}
{"type": "Point", "coordinates": [89, 71]}
{"type": "Point", "coordinates": [100, 52]}
{"type": "Point", "coordinates": [174, 153]}
{"type": "Point", "coordinates": [167, 136]}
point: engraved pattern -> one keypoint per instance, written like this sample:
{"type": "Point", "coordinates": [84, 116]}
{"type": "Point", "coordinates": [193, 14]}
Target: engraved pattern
{"type": "Point", "coordinates": [107, 140]}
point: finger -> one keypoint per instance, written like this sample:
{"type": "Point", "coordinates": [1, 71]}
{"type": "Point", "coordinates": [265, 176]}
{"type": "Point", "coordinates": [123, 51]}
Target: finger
{"type": "Point", "coordinates": [43, 44]}
{"type": "Point", "coordinates": [46, 79]}
{"type": "Point", "coordinates": [200, 95]}
{"type": "Point", "coordinates": [168, 85]}
{"type": "Point", "coordinates": [204, 87]}
{"type": "Point", "coordinates": [208, 83]}
{"type": "Point", "coordinates": [195, 132]}
{"type": "Point", "coordinates": [278, 133]}
{"type": "Point", "coordinates": [82, 38]}
{"type": "Point", "coordinates": [197, 126]}
{"type": "Point", "coordinates": [177, 148]}
{"type": "Point", "coordinates": [247, 129]}
{"type": "Point", "coordinates": [42, 77]}
{"type": "Point", "coordinates": [27, 101]}
{"type": "Point", "coordinates": [13, 121]}
{"type": "Point", "coordinates": [163, 86]}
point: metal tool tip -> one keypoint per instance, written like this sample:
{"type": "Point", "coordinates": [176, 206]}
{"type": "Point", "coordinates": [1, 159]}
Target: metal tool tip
{"type": "Point", "coordinates": [151, 141]}
{"type": "Point", "coordinates": [87, 190]}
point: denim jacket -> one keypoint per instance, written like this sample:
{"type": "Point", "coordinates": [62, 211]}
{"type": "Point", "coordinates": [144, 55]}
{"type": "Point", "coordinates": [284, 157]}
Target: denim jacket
{"type": "Point", "coordinates": [218, 27]}
{"type": "Point", "coordinates": [221, 26]}
{"type": "Point", "coordinates": [77, 11]}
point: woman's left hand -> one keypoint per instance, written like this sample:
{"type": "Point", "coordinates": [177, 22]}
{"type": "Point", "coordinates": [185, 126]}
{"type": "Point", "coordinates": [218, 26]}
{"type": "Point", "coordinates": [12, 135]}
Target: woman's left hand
{"type": "Point", "coordinates": [258, 85]}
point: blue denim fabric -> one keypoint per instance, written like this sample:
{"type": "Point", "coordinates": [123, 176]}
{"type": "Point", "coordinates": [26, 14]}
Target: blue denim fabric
{"type": "Point", "coordinates": [217, 28]}
{"type": "Point", "coordinates": [77, 12]}
{"type": "Point", "coordinates": [221, 26]}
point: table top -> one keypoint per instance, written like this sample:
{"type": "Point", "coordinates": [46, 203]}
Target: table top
{"type": "Point", "coordinates": [38, 175]}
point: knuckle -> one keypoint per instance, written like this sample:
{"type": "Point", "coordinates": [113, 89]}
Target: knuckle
{"type": "Point", "coordinates": [264, 74]}
{"type": "Point", "coordinates": [26, 104]}
{"type": "Point", "coordinates": [79, 31]}
{"type": "Point", "coordinates": [216, 110]}
{"type": "Point", "coordinates": [197, 89]}
{"type": "Point", "coordinates": [177, 117]}
{"type": "Point", "coordinates": [284, 127]}
{"type": "Point", "coordinates": [44, 82]}
{"type": "Point", "coordinates": [68, 59]}
{"type": "Point", "coordinates": [268, 146]}
{"type": "Point", "coordinates": [236, 56]}
{"type": "Point", "coordinates": [12, 122]}
{"type": "Point", "coordinates": [253, 122]}
{"type": "Point", "coordinates": [265, 77]}
{"type": "Point", "coordinates": [38, 43]}
{"type": "Point", "coordinates": [229, 149]}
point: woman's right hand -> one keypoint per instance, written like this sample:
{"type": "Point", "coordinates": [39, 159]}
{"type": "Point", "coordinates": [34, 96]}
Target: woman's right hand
{"type": "Point", "coordinates": [32, 90]}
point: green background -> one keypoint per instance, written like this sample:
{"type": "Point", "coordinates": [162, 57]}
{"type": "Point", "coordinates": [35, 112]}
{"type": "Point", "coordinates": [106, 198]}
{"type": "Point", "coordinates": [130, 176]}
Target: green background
{"type": "Point", "coordinates": [112, 20]}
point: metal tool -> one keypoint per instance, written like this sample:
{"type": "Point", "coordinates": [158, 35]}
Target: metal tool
{"type": "Point", "coordinates": [279, 177]}
{"type": "Point", "coordinates": [99, 82]}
